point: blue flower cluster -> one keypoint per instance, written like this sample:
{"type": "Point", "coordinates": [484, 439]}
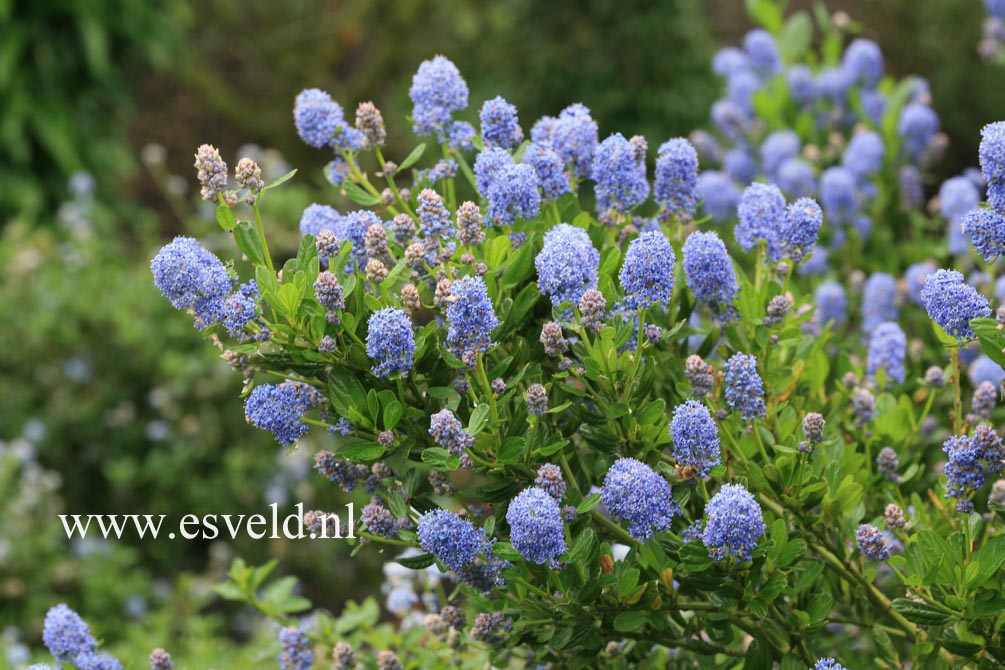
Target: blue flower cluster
{"type": "Point", "coordinates": [828, 664]}
{"type": "Point", "coordinates": [536, 528]}
{"type": "Point", "coordinates": [470, 318]}
{"type": "Point", "coordinates": [390, 341]}
{"type": "Point", "coordinates": [192, 278]}
{"type": "Point", "coordinates": [68, 638]}
{"type": "Point", "coordinates": [567, 264]}
{"type": "Point", "coordinates": [241, 309]}
{"type": "Point", "coordinates": [957, 197]}
{"type": "Point", "coordinates": [709, 272]}
{"type": "Point", "coordinates": [788, 230]}
{"type": "Point", "coordinates": [320, 122]}
{"type": "Point", "coordinates": [647, 274]}
{"type": "Point", "coordinates": [695, 437]}
{"type": "Point", "coordinates": [633, 492]}
{"type": "Point", "coordinates": [879, 301]}
{"type": "Point", "coordinates": [500, 125]}
{"type": "Point", "coordinates": [573, 136]}
{"type": "Point", "coordinates": [887, 348]}
{"type": "Point", "coordinates": [675, 184]}
{"type": "Point", "coordinates": [619, 170]}
{"type": "Point", "coordinates": [549, 478]}
{"type": "Point", "coordinates": [296, 649]}
{"type": "Point", "coordinates": [733, 524]}
{"type": "Point", "coordinates": [831, 303]}
{"type": "Point", "coordinates": [951, 303]}
{"type": "Point", "coordinates": [970, 458]}
{"type": "Point", "coordinates": [550, 171]}
{"type": "Point", "coordinates": [437, 91]}
{"type": "Point", "coordinates": [278, 408]}
{"type": "Point", "coordinates": [451, 539]}
{"type": "Point", "coordinates": [449, 433]}
{"type": "Point", "coordinates": [345, 474]}
{"type": "Point", "coordinates": [316, 218]}
{"type": "Point", "coordinates": [511, 189]}
{"type": "Point", "coordinates": [760, 214]}
{"type": "Point", "coordinates": [873, 543]}
{"type": "Point", "coordinates": [744, 388]}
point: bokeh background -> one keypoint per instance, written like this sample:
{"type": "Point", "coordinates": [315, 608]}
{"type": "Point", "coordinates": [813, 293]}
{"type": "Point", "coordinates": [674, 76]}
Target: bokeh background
{"type": "Point", "coordinates": [111, 403]}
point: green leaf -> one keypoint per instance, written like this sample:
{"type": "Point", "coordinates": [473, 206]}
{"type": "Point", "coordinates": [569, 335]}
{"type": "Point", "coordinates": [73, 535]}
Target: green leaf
{"type": "Point", "coordinates": [694, 557]}
{"type": "Point", "coordinates": [589, 502]}
{"type": "Point", "coordinates": [413, 157]}
{"type": "Point", "coordinates": [225, 217]}
{"type": "Point", "coordinates": [506, 550]}
{"type": "Point", "coordinates": [629, 580]}
{"type": "Point", "coordinates": [629, 621]}
{"type": "Point", "coordinates": [282, 180]}
{"type": "Point", "coordinates": [246, 237]}
{"type": "Point", "coordinates": [654, 412]}
{"type": "Point", "coordinates": [992, 340]}
{"type": "Point", "coordinates": [767, 13]}
{"type": "Point", "coordinates": [796, 37]}
{"type": "Point", "coordinates": [307, 252]}
{"type": "Point", "coordinates": [267, 282]}
{"type": "Point", "coordinates": [512, 450]}
{"type": "Point", "coordinates": [920, 613]}
{"type": "Point", "coordinates": [479, 419]}
{"type": "Point", "coordinates": [792, 552]}
{"type": "Point", "coordinates": [230, 591]}
{"type": "Point", "coordinates": [440, 459]}
{"type": "Point", "coordinates": [419, 562]}
{"type": "Point", "coordinates": [393, 412]}
{"type": "Point", "coordinates": [355, 616]}
{"type": "Point", "coordinates": [584, 547]}
{"type": "Point", "coordinates": [290, 296]}
{"type": "Point", "coordinates": [496, 251]}
{"type": "Point", "coordinates": [989, 559]}
{"type": "Point", "coordinates": [361, 451]}
{"type": "Point", "coordinates": [358, 195]}
{"type": "Point", "coordinates": [346, 391]}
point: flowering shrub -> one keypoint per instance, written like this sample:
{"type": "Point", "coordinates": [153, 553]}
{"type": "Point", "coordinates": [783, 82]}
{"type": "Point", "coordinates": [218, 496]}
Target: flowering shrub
{"type": "Point", "coordinates": [629, 435]}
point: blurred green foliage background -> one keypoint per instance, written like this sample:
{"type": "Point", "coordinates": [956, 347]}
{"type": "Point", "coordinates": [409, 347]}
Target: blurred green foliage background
{"type": "Point", "coordinates": [117, 400]}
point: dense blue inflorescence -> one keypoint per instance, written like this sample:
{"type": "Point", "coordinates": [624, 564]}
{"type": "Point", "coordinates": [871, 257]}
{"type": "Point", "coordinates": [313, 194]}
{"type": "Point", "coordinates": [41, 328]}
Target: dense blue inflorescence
{"type": "Point", "coordinates": [733, 524]}
{"type": "Point", "coordinates": [620, 174]}
{"type": "Point", "coordinates": [695, 437]}
{"type": "Point", "coordinates": [676, 180]}
{"type": "Point", "coordinates": [887, 348]}
{"type": "Point", "coordinates": [633, 492]}
{"type": "Point", "coordinates": [760, 215]}
{"type": "Point", "coordinates": [278, 408]}
{"type": "Point", "coordinates": [500, 124]}
{"type": "Point", "coordinates": [647, 274]}
{"type": "Point", "coordinates": [709, 273]}
{"type": "Point", "coordinates": [471, 319]}
{"type": "Point", "coordinates": [951, 303]}
{"type": "Point", "coordinates": [567, 264]}
{"type": "Point", "coordinates": [437, 91]}
{"type": "Point", "coordinates": [879, 301]}
{"type": "Point", "coordinates": [744, 388]}
{"type": "Point", "coordinates": [536, 528]}
{"type": "Point", "coordinates": [873, 543]}
{"type": "Point", "coordinates": [390, 341]}
{"type": "Point", "coordinates": [192, 278]}
{"type": "Point", "coordinates": [453, 540]}
{"type": "Point", "coordinates": [296, 651]}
